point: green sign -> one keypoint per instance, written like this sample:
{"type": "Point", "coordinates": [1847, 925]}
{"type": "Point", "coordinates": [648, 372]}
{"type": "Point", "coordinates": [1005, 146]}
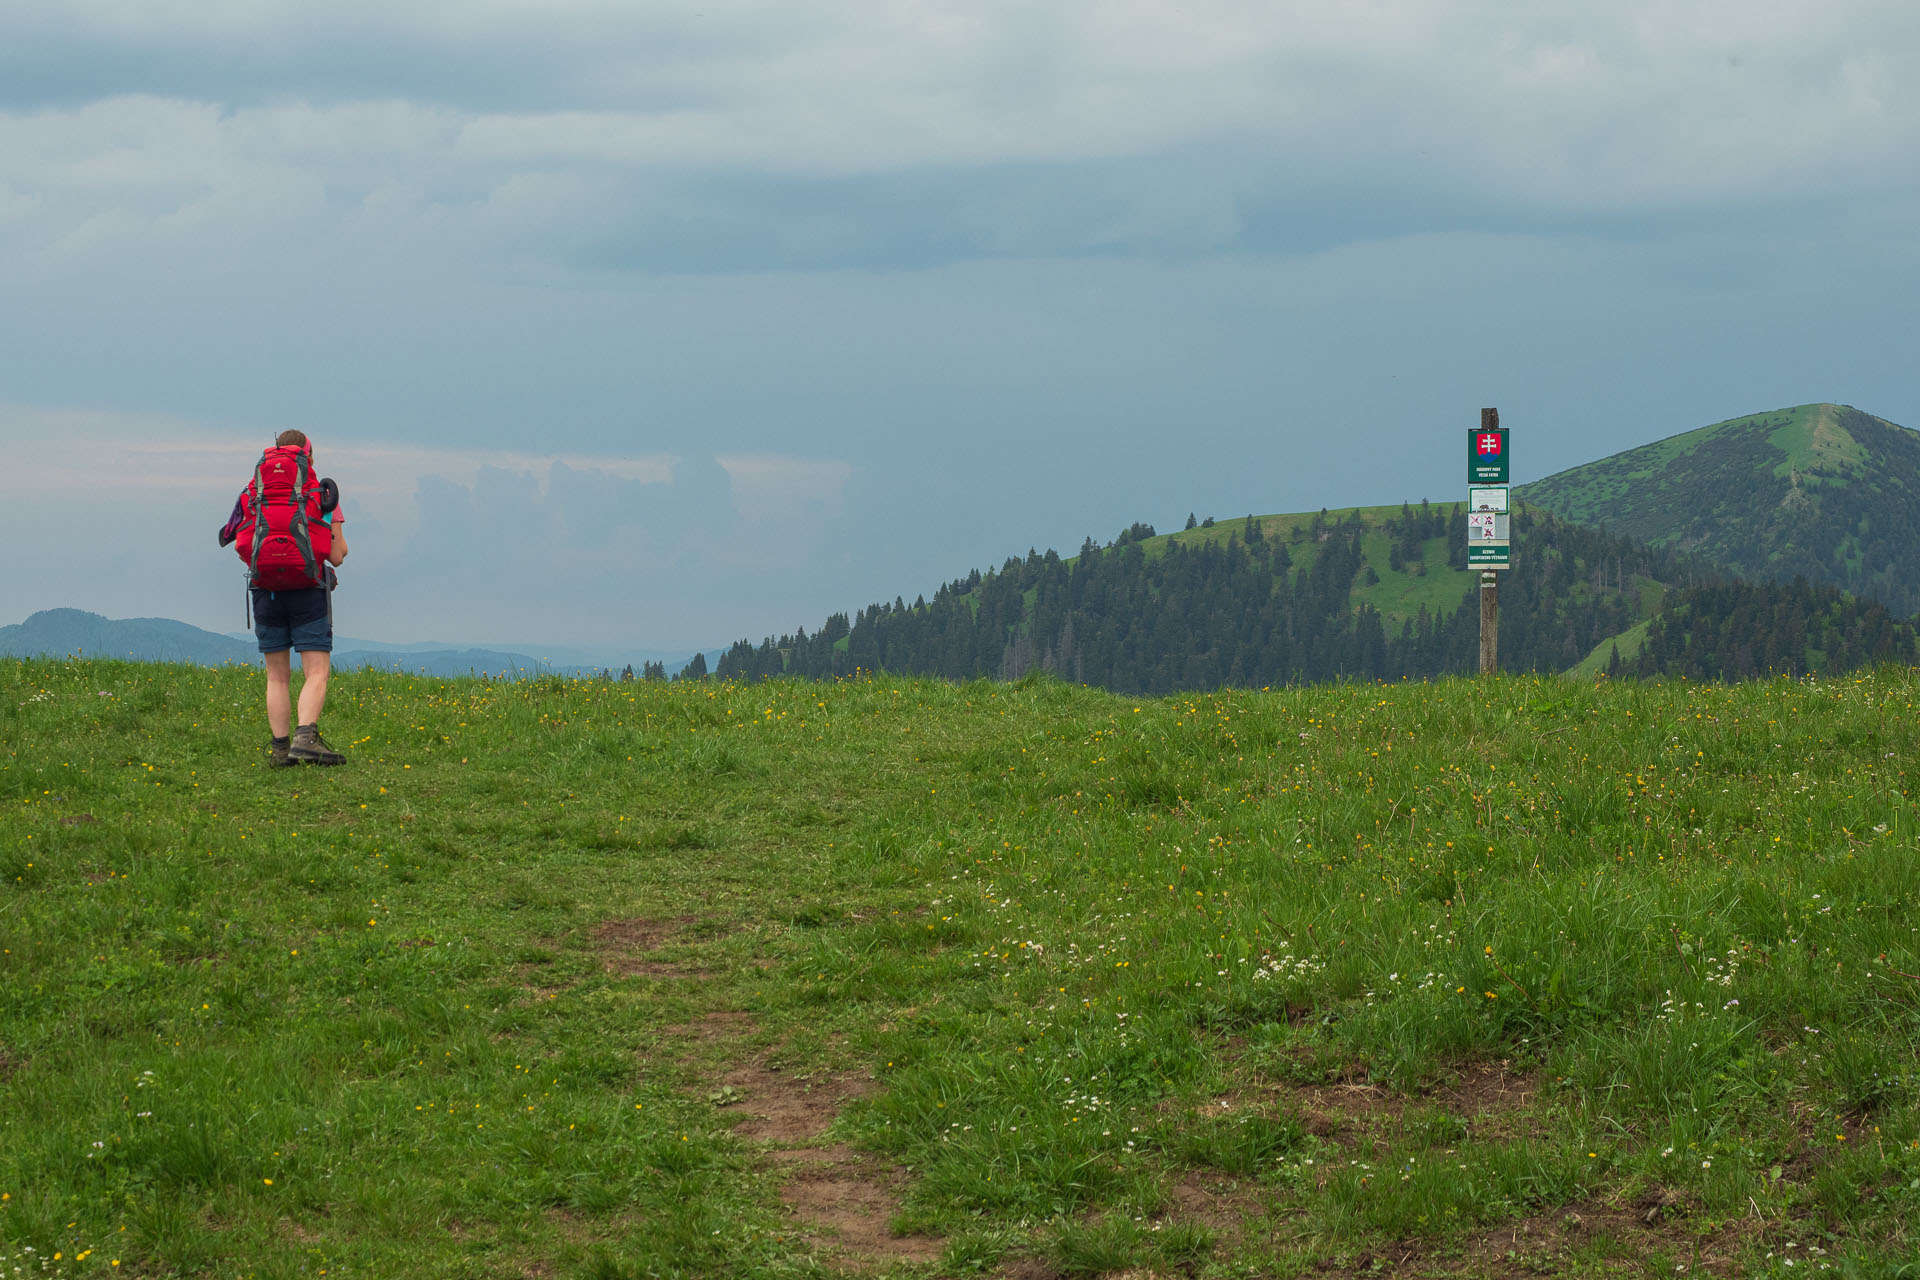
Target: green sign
{"type": "Point", "coordinates": [1487, 456]}
{"type": "Point", "coordinates": [1488, 555]}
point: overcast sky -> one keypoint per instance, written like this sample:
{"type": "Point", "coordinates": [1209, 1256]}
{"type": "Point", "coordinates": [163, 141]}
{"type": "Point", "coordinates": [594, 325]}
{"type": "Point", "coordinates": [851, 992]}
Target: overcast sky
{"type": "Point", "coordinates": [662, 324]}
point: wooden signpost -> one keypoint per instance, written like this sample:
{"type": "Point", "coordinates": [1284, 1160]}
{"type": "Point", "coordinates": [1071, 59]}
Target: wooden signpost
{"type": "Point", "coordinates": [1488, 542]}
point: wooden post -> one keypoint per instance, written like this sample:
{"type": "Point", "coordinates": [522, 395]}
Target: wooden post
{"type": "Point", "coordinates": [1489, 588]}
{"type": "Point", "coordinates": [1489, 622]}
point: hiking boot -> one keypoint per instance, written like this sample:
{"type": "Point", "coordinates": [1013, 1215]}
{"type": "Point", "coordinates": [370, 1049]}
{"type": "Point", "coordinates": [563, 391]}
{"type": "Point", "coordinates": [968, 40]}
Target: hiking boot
{"type": "Point", "coordinates": [277, 757]}
{"type": "Point", "coordinates": [308, 747]}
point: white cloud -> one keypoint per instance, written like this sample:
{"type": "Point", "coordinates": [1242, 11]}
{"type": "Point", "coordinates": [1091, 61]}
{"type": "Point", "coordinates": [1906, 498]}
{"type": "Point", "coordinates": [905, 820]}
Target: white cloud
{"type": "Point", "coordinates": [121, 509]}
{"type": "Point", "coordinates": [66, 454]}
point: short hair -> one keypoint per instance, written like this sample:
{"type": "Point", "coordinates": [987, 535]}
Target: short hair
{"type": "Point", "coordinates": [292, 437]}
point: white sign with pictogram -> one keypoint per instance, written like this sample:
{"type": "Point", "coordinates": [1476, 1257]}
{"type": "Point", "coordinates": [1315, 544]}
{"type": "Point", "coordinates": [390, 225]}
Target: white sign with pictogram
{"type": "Point", "coordinates": [1486, 526]}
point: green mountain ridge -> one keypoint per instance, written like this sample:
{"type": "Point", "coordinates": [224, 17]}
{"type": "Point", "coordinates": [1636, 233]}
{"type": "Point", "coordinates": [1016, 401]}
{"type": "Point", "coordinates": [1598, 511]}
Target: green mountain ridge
{"type": "Point", "coordinates": [1380, 593]}
{"type": "Point", "coordinates": [1385, 592]}
{"type": "Point", "coordinates": [1821, 491]}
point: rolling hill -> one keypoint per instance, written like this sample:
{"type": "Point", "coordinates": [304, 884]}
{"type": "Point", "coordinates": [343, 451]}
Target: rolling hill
{"type": "Point", "coordinates": [1375, 592]}
{"type": "Point", "coordinates": [1783, 542]}
{"type": "Point", "coordinates": [59, 633]}
{"type": "Point", "coordinates": [1821, 491]}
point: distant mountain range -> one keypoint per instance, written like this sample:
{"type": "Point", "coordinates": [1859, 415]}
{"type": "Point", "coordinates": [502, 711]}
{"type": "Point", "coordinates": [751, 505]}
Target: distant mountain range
{"type": "Point", "coordinates": [60, 632]}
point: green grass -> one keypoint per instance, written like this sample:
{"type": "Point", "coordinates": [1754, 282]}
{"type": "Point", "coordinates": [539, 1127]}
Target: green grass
{"type": "Point", "coordinates": [1596, 662]}
{"type": "Point", "coordinates": [1400, 595]}
{"type": "Point", "coordinates": [1814, 441]}
{"type": "Point", "coordinates": [1200, 985]}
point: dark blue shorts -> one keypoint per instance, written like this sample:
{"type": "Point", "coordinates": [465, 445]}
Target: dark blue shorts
{"type": "Point", "coordinates": [285, 620]}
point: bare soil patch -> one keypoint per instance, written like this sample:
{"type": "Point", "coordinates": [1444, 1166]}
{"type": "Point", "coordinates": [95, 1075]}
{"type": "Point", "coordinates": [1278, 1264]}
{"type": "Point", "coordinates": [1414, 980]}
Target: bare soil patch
{"type": "Point", "coordinates": [1486, 1087]}
{"type": "Point", "coordinates": [846, 1199]}
{"type": "Point", "coordinates": [781, 1107]}
{"type": "Point", "coordinates": [841, 1198]}
{"type": "Point", "coordinates": [715, 1026]}
{"type": "Point", "coordinates": [1602, 1238]}
{"type": "Point", "coordinates": [1220, 1203]}
{"type": "Point", "coordinates": [634, 947]}
{"type": "Point", "coordinates": [1490, 1096]}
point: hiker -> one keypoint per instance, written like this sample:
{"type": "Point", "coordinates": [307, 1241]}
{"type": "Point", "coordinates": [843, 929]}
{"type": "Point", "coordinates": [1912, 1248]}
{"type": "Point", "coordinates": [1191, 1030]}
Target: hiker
{"type": "Point", "coordinates": [288, 527]}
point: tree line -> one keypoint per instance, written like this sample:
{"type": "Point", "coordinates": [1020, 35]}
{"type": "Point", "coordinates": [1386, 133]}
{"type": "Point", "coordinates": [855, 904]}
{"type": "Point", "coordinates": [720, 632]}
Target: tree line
{"type": "Point", "coordinates": [1740, 630]}
{"type": "Point", "coordinates": [1259, 608]}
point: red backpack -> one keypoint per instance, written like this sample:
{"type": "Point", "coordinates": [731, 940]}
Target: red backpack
{"type": "Point", "coordinates": [284, 539]}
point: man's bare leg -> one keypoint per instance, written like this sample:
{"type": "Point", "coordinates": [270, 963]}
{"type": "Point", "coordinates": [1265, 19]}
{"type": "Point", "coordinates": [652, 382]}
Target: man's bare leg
{"type": "Point", "coordinates": [315, 666]}
{"type": "Point", "coordinates": [279, 704]}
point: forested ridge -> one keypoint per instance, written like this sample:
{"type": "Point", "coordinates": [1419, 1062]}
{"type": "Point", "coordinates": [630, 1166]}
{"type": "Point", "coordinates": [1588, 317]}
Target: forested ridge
{"type": "Point", "coordinates": [1824, 491]}
{"type": "Point", "coordinates": [1254, 602]}
{"type": "Point", "coordinates": [1278, 600]}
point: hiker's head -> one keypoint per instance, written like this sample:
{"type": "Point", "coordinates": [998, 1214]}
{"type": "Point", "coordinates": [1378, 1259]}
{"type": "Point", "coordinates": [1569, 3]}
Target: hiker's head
{"type": "Point", "coordinates": [298, 439]}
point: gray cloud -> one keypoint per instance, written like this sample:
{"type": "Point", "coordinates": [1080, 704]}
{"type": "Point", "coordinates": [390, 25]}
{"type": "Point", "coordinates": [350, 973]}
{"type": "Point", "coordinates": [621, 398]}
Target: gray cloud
{"type": "Point", "coordinates": [706, 136]}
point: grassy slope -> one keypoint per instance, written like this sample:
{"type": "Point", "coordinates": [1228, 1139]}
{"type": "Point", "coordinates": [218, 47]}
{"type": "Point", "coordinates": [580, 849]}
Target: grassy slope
{"type": "Point", "coordinates": [1398, 596]}
{"type": "Point", "coordinates": [1630, 640]}
{"type": "Point", "coordinates": [1814, 442]}
{"type": "Point", "coordinates": [1627, 490]}
{"type": "Point", "coordinates": [1670, 491]}
{"type": "Point", "coordinates": [1596, 662]}
{"type": "Point", "coordinates": [1119, 973]}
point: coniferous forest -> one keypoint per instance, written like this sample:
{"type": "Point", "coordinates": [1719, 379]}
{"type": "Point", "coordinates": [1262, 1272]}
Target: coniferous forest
{"type": "Point", "coordinates": [1274, 602]}
{"type": "Point", "coordinates": [1740, 630]}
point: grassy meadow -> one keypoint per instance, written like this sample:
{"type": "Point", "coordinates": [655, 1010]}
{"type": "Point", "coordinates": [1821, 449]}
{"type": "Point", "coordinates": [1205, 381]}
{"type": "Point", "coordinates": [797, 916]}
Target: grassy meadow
{"type": "Point", "coordinates": [602, 980]}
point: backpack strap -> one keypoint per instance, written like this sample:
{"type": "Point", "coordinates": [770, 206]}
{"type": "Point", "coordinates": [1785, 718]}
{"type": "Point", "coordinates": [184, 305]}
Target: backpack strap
{"type": "Point", "coordinates": [257, 490]}
{"type": "Point", "coordinates": [302, 472]}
